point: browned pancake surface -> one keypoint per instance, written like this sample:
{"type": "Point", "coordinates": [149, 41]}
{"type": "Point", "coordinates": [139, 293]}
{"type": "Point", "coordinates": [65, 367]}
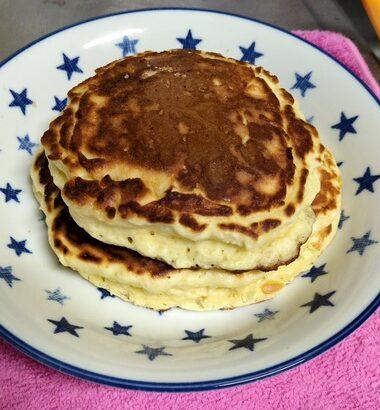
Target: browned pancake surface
{"type": "Point", "coordinates": [87, 248]}
{"type": "Point", "coordinates": [211, 124]}
{"type": "Point", "coordinates": [66, 232]}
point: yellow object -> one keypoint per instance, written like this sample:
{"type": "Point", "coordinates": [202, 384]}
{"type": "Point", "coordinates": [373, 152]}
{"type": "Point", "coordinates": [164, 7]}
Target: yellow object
{"type": "Point", "coordinates": [372, 7]}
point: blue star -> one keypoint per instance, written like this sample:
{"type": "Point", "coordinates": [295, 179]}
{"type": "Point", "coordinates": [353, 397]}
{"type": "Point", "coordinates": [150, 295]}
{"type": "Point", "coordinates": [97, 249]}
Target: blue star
{"type": "Point", "coordinates": [303, 83]}
{"type": "Point", "coordinates": [266, 315]}
{"type": "Point", "coordinates": [361, 243]}
{"type": "Point", "coordinates": [20, 100]}
{"type": "Point", "coordinates": [59, 104]}
{"type": "Point", "coordinates": [249, 54]}
{"type": "Point", "coordinates": [248, 342]}
{"type": "Point", "coordinates": [118, 329]}
{"type": "Point", "coordinates": [70, 65]}
{"type": "Point", "coordinates": [345, 125]}
{"type": "Point", "coordinates": [6, 274]}
{"type": "Point", "coordinates": [310, 119]}
{"type": "Point", "coordinates": [314, 272]}
{"type": "Point", "coordinates": [18, 246]}
{"type": "Point", "coordinates": [343, 219]}
{"type": "Point", "coordinates": [105, 293]}
{"type": "Point", "coordinates": [153, 352]}
{"type": "Point", "coordinates": [63, 325]}
{"type": "Point", "coordinates": [318, 301]}
{"type": "Point", "coordinates": [189, 42]}
{"type": "Point", "coordinates": [26, 144]}
{"type": "Point", "coordinates": [10, 193]}
{"type": "Point", "coordinates": [128, 46]}
{"type": "Point", "coordinates": [195, 336]}
{"type": "Point", "coordinates": [56, 296]}
{"type": "Point", "coordinates": [366, 181]}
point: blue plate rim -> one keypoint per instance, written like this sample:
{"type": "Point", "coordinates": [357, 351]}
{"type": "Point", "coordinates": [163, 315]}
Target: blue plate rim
{"type": "Point", "coordinates": [209, 384]}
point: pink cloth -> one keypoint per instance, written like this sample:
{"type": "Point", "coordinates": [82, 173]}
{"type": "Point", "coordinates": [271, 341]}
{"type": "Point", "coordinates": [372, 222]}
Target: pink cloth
{"type": "Point", "coordinates": [346, 377]}
{"type": "Point", "coordinates": [344, 50]}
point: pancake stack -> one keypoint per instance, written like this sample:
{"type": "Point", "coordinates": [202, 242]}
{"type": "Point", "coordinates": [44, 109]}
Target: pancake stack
{"type": "Point", "coordinates": [184, 178]}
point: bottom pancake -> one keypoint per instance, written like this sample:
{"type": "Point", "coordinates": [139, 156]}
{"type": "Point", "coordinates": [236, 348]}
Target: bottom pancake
{"type": "Point", "coordinates": [154, 284]}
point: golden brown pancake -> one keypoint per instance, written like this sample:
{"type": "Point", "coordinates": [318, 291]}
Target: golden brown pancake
{"type": "Point", "coordinates": [188, 157]}
{"type": "Point", "coordinates": [157, 285]}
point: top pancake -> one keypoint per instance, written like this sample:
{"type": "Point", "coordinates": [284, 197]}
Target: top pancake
{"type": "Point", "coordinates": [200, 146]}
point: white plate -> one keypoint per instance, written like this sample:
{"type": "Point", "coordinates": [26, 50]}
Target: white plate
{"type": "Point", "coordinates": [180, 350]}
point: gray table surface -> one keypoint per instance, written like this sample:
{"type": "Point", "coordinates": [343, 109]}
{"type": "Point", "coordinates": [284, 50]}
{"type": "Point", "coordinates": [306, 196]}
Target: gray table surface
{"type": "Point", "coordinates": [22, 21]}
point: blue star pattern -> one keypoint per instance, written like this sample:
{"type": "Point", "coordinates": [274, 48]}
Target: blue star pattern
{"type": "Point", "coordinates": [361, 243]}
{"type": "Point", "coordinates": [63, 325]}
{"type": "Point", "coordinates": [70, 65]}
{"type": "Point", "coordinates": [153, 352]}
{"type": "Point", "coordinates": [343, 218]}
{"type": "Point", "coordinates": [128, 46]}
{"type": "Point", "coordinates": [310, 119]}
{"type": "Point", "coordinates": [248, 343]}
{"type": "Point", "coordinates": [26, 144]}
{"type": "Point", "coordinates": [303, 83]}
{"type": "Point", "coordinates": [366, 181]}
{"type": "Point", "coordinates": [318, 301]}
{"type": "Point", "coordinates": [105, 293]}
{"type": "Point", "coordinates": [267, 314]}
{"type": "Point", "coordinates": [195, 336]}
{"type": "Point", "coordinates": [189, 42]}
{"type": "Point", "coordinates": [315, 272]}
{"type": "Point", "coordinates": [345, 125]}
{"type": "Point", "coordinates": [18, 246]}
{"type": "Point", "coordinates": [249, 54]}
{"type": "Point", "coordinates": [59, 104]}
{"type": "Point", "coordinates": [6, 274]}
{"type": "Point", "coordinates": [10, 193]}
{"type": "Point", "coordinates": [56, 296]}
{"type": "Point", "coordinates": [118, 329]}
{"type": "Point", "coordinates": [20, 100]}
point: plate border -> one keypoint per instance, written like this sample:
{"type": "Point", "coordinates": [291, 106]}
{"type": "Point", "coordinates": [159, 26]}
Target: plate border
{"type": "Point", "coordinates": [209, 384]}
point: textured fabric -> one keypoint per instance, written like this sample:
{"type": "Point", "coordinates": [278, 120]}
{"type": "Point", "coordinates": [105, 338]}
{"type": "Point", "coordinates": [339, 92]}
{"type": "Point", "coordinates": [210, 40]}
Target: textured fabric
{"type": "Point", "coordinates": [344, 50]}
{"type": "Point", "coordinates": [345, 377]}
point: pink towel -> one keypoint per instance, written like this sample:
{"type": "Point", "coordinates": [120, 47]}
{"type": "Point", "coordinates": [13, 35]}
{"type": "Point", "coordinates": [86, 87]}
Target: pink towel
{"type": "Point", "coordinates": [344, 50]}
{"type": "Point", "coordinates": [346, 377]}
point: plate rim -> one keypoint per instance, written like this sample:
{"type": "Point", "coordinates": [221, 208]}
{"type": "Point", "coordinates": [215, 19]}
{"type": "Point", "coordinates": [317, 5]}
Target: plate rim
{"type": "Point", "coordinates": [69, 369]}
{"type": "Point", "coordinates": [190, 386]}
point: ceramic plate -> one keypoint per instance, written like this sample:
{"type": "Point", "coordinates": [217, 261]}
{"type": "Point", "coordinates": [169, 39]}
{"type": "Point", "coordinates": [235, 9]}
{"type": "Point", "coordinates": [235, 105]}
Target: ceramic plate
{"type": "Point", "coordinates": [58, 318]}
